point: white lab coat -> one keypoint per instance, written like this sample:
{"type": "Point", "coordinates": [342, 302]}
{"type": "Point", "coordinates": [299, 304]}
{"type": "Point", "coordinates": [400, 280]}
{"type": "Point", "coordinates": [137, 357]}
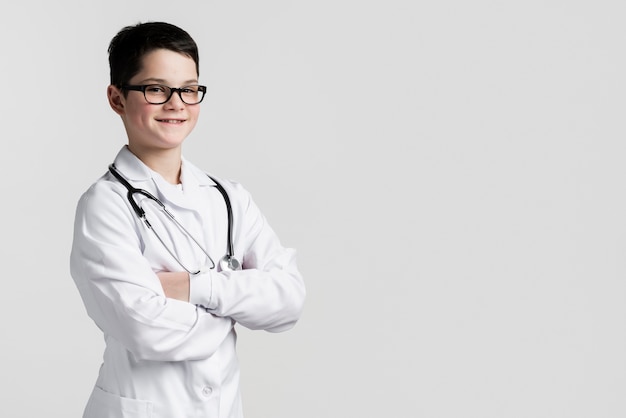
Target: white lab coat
{"type": "Point", "coordinates": [163, 357]}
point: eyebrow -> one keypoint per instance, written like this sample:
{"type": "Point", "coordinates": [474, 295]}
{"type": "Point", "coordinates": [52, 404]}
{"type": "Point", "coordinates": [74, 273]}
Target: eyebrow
{"type": "Point", "coordinates": [162, 81]}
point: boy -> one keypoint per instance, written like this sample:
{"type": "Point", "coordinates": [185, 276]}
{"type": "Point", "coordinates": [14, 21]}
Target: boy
{"type": "Point", "coordinates": [154, 286]}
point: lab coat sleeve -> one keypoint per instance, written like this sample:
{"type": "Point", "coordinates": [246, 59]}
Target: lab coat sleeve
{"type": "Point", "coordinates": [269, 292]}
{"type": "Point", "coordinates": [121, 292]}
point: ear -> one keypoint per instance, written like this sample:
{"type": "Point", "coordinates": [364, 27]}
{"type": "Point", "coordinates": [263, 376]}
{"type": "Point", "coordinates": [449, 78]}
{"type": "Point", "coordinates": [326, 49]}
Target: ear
{"type": "Point", "coordinates": [116, 99]}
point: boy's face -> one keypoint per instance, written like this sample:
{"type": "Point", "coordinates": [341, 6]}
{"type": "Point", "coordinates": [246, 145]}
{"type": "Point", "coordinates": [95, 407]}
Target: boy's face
{"type": "Point", "coordinates": [152, 127]}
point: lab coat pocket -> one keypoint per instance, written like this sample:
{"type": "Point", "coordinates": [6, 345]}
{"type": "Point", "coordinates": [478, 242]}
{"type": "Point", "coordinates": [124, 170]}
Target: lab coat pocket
{"type": "Point", "coordinates": [103, 404]}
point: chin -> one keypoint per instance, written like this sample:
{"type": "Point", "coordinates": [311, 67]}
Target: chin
{"type": "Point", "coordinates": [173, 141]}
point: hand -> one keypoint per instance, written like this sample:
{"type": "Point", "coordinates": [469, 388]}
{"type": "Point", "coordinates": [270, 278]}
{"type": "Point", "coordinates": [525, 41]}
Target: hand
{"type": "Point", "coordinates": [175, 284]}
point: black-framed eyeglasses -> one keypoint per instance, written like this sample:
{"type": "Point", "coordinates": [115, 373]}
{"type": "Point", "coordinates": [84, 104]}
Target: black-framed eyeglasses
{"type": "Point", "coordinates": [159, 93]}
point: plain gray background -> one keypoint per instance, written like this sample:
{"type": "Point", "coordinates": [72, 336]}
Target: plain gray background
{"type": "Point", "coordinates": [451, 173]}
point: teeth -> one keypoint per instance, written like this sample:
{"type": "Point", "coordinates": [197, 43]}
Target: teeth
{"type": "Point", "coordinates": [171, 120]}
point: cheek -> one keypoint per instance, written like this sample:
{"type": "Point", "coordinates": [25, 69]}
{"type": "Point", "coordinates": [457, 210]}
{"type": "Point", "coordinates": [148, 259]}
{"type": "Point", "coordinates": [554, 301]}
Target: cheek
{"type": "Point", "coordinates": [138, 113]}
{"type": "Point", "coordinates": [194, 112]}
{"type": "Point", "coordinates": [144, 116]}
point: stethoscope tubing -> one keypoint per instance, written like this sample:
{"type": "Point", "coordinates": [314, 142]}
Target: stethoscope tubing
{"type": "Point", "coordinates": [227, 262]}
{"type": "Point", "coordinates": [229, 250]}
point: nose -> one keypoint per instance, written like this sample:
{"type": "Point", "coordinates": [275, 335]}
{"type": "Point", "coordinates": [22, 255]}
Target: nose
{"type": "Point", "coordinates": [175, 101]}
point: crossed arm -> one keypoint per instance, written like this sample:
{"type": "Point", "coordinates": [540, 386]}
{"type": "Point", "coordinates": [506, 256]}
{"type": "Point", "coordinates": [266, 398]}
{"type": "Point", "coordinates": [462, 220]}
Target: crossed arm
{"type": "Point", "coordinates": [175, 284]}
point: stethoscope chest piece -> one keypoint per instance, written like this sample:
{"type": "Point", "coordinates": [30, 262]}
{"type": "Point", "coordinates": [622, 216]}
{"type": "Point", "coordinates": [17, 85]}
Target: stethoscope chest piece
{"type": "Point", "coordinates": [229, 263]}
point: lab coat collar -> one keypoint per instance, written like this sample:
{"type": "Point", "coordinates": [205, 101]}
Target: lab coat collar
{"type": "Point", "coordinates": [192, 176]}
{"type": "Point", "coordinates": [141, 176]}
{"type": "Point", "coordinates": [131, 167]}
{"type": "Point", "coordinates": [136, 171]}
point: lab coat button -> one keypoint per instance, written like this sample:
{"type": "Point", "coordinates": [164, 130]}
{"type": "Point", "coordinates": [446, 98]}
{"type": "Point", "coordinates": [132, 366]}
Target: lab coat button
{"type": "Point", "coordinates": [207, 391]}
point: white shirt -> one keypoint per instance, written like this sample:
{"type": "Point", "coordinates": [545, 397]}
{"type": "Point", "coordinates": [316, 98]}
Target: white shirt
{"type": "Point", "coordinates": [164, 357]}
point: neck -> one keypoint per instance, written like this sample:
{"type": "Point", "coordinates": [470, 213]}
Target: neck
{"type": "Point", "coordinates": [165, 162]}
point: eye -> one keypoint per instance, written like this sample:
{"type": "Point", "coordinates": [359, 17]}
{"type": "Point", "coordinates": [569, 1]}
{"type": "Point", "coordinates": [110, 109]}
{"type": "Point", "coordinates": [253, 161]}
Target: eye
{"type": "Point", "coordinates": [156, 89]}
{"type": "Point", "coordinates": [189, 90]}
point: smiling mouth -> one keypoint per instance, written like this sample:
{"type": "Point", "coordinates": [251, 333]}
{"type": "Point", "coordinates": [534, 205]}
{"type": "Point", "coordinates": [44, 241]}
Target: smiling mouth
{"type": "Point", "coordinates": [175, 121]}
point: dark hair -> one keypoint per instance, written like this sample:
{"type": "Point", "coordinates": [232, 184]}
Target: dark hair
{"type": "Point", "coordinates": [129, 46]}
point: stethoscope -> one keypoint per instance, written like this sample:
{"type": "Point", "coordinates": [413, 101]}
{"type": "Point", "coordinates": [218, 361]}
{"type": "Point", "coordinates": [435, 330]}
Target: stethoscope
{"type": "Point", "coordinates": [228, 262]}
